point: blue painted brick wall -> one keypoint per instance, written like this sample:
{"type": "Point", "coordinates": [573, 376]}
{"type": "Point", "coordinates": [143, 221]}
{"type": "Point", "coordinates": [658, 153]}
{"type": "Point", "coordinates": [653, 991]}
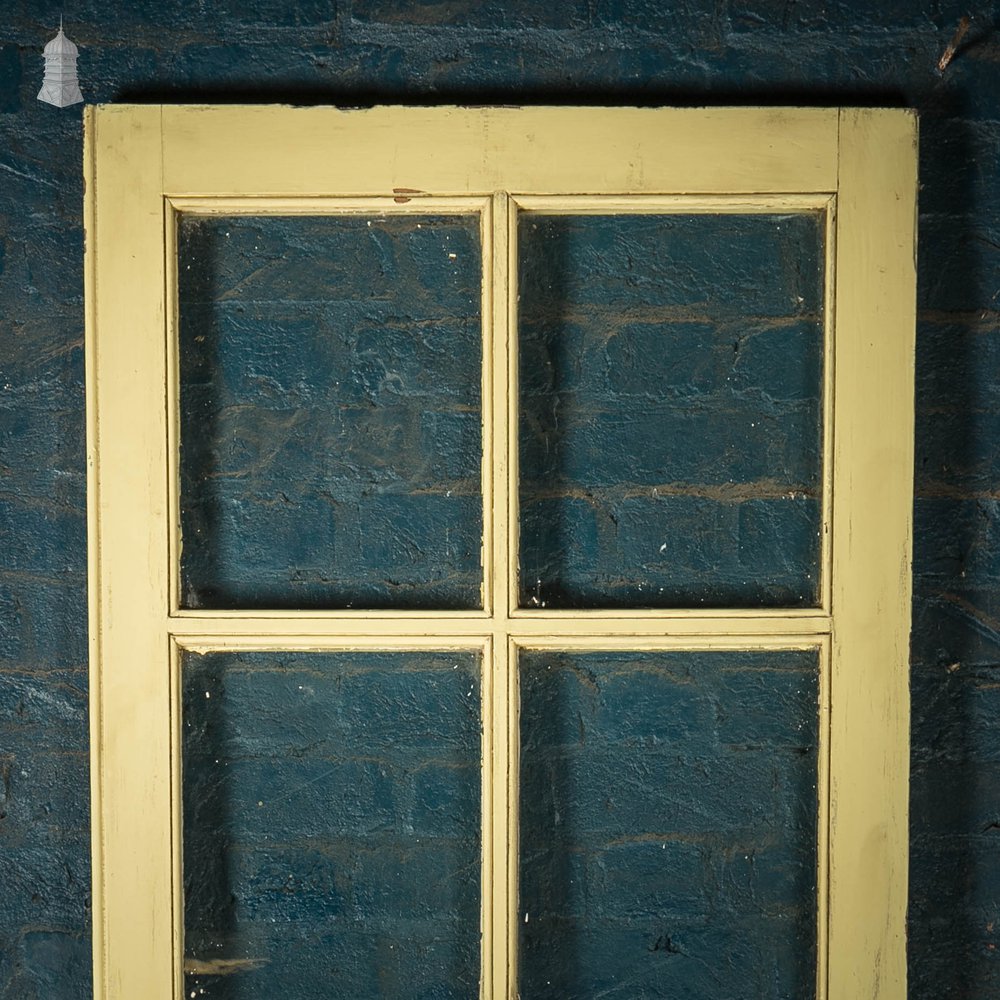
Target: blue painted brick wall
{"type": "Point", "coordinates": [330, 412]}
{"type": "Point", "coordinates": [597, 51]}
{"type": "Point", "coordinates": [332, 796]}
{"type": "Point", "coordinates": [668, 825]}
{"type": "Point", "coordinates": [670, 410]}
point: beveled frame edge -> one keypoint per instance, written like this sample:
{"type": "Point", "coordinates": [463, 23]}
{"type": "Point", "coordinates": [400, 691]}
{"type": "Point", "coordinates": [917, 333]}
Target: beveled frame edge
{"type": "Point", "coordinates": [500, 367]}
{"type": "Point", "coordinates": [483, 644]}
{"type": "Point", "coordinates": [820, 643]}
{"type": "Point", "coordinates": [822, 203]}
{"type": "Point", "coordinates": [478, 206]}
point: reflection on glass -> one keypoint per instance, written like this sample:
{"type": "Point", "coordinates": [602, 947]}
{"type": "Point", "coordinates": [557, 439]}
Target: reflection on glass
{"type": "Point", "coordinates": [668, 825]}
{"type": "Point", "coordinates": [331, 825]}
{"type": "Point", "coordinates": [330, 412]}
{"type": "Point", "coordinates": [670, 410]}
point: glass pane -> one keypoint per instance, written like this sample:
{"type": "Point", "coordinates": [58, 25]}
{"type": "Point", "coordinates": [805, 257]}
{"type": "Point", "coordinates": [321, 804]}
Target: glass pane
{"type": "Point", "coordinates": [331, 825]}
{"type": "Point", "coordinates": [668, 825]}
{"type": "Point", "coordinates": [670, 410]}
{"type": "Point", "coordinates": [330, 412]}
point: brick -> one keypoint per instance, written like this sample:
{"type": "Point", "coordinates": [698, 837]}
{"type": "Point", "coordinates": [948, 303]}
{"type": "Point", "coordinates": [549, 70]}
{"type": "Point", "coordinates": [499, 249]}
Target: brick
{"type": "Point", "coordinates": [489, 16]}
{"type": "Point", "coordinates": [559, 700]}
{"type": "Point", "coordinates": [38, 186]}
{"type": "Point", "coordinates": [767, 265]}
{"type": "Point", "coordinates": [286, 355]}
{"type": "Point", "coordinates": [779, 547]}
{"type": "Point", "coordinates": [43, 709]}
{"type": "Point", "coordinates": [663, 550]}
{"type": "Point", "coordinates": [174, 17]}
{"type": "Point", "coordinates": [958, 540]}
{"type": "Point", "coordinates": [293, 259]}
{"type": "Point", "coordinates": [42, 623]}
{"type": "Point", "coordinates": [955, 705]}
{"type": "Point", "coordinates": [845, 16]}
{"type": "Point", "coordinates": [939, 787]}
{"type": "Point", "coordinates": [313, 703]}
{"type": "Point", "coordinates": [956, 278]}
{"type": "Point", "coordinates": [698, 23]}
{"type": "Point", "coordinates": [622, 794]}
{"type": "Point", "coordinates": [257, 800]}
{"type": "Point", "coordinates": [642, 706]}
{"type": "Point", "coordinates": [730, 358]}
{"type": "Point", "coordinates": [633, 809]}
{"type": "Point", "coordinates": [47, 886]}
{"type": "Point", "coordinates": [222, 539]}
{"type": "Point", "coordinates": [53, 963]}
{"type": "Point", "coordinates": [770, 706]}
{"type": "Point", "coordinates": [422, 881]}
{"type": "Point", "coordinates": [668, 444]}
{"type": "Point", "coordinates": [45, 264]}
{"type": "Point", "coordinates": [555, 880]}
{"type": "Point", "coordinates": [972, 80]}
{"type": "Point", "coordinates": [300, 961]}
{"type": "Point", "coordinates": [41, 367]}
{"type": "Point", "coordinates": [427, 537]}
{"type": "Point", "coordinates": [447, 799]}
{"type": "Point", "coordinates": [43, 538]}
{"type": "Point", "coordinates": [667, 957]}
{"type": "Point", "coordinates": [40, 804]}
{"type": "Point", "coordinates": [956, 624]}
{"type": "Point", "coordinates": [956, 366]}
{"type": "Point", "coordinates": [776, 879]}
{"type": "Point", "coordinates": [660, 699]}
{"type": "Point", "coordinates": [338, 787]}
{"type": "Point", "coordinates": [10, 78]}
{"type": "Point", "coordinates": [315, 551]}
{"type": "Point", "coordinates": [558, 539]}
{"type": "Point", "coordinates": [631, 881]}
{"type": "Point", "coordinates": [299, 426]}
{"type": "Point", "coordinates": [947, 460]}
{"type": "Point", "coordinates": [42, 463]}
{"type": "Point", "coordinates": [952, 180]}
{"type": "Point", "coordinates": [436, 710]}
{"type": "Point", "coordinates": [266, 885]}
{"type": "Point", "coordinates": [453, 443]}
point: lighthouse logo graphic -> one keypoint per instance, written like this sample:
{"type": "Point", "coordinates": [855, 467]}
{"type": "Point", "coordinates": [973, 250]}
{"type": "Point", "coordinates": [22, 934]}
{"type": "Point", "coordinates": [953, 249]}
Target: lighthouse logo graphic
{"type": "Point", "coordinates": [60, 85]}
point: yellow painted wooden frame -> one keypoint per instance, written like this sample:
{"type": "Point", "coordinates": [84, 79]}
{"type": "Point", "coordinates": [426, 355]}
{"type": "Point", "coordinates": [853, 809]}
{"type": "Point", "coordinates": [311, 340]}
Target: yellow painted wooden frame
{"type": "Point", "coordinates": [144, 164]}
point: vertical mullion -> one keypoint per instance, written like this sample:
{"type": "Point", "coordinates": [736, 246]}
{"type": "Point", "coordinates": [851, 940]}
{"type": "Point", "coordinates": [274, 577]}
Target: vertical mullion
{"type": "Point", "coordinates": [500, 715]}
{"type": "Point", "coordinates": [501, 253]}
{"type": "Point", "coordinates": [511, 713]}
{"type": "Point", "coordinates": [499, 979]}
